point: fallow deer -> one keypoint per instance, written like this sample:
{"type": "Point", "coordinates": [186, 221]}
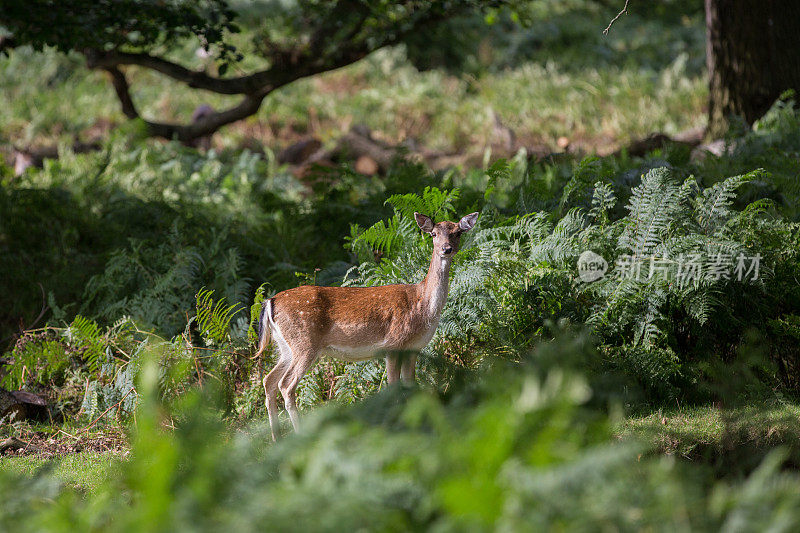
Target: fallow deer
{"type": "Point", "coordinates": [356, 323]}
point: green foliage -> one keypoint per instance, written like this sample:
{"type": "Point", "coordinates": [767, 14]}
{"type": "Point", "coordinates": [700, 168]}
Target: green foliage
{"type": "Point", "coordinates": [433, 202]}
{"type": "Point", "coordinates": [714, 206]}
{"type": "Point", "coordinates": [360, 25]}
{"type": "Point", "coordinates": [149, 224]}
{"type": "Point", "coordinates": [385, 237]}
{"type": "Point", "coordinates": [255, 314]}
{"type": "Point", "coordinates": [509, 432]}
{"type": "Point", "coordinates": [772, 144]}
{"type": "Point", "coordinates": [214, 317]}
{"type": "Point", "coordinates": [295, 39]}
{"type": "Point", "coordinates": [128, 25]}
{"type": "Point", "coordinates": [344, 383]}
{"type": "Point", "coordinates": [85, 334]}
{"type": "Point", "coordinates": [110, 387]}
{"type": "Point", "coordinates": [515, 273]}
{"type": "Point", "coordinates": [603, 201]}
{"type": "Point", "coordinates": [562, 66]}
{"type": "Point", "coordinates": [380, 237]}
{"type": "Point", "coordinates": [514, 276]}
{"type": "Point", "coordinates": [38, 360]}
{"type": "Point", "coordinates": [113, 392]}
{"type": "Point", "coordinates": [650, 36]}
{"type": "Point", "coordinates": [520, 449]}
{"type": "Point", "coordinates": [136, 232]}
{"type": "Point", "coordinates": [653, 205]}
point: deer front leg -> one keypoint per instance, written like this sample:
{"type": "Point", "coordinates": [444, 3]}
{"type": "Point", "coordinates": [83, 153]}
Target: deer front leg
{"type": "Point", "coordinates": [409, 368]}
{"type": "Point", "coordinates": [392, 368]}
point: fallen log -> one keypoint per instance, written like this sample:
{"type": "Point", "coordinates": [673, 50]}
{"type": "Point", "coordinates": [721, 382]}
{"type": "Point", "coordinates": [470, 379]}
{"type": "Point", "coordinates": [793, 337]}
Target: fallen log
{"type": "Point", "coordinates": [654, 141]}
{"type": "Point", "coordinates": [23, 405]}
{"type": "Point", "coordinates": [11, 443]}
{"type": "Point", "coordinates": [34, 156]}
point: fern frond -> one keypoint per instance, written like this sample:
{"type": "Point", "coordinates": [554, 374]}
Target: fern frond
{"type": "Point", "coordinates": [562, 244]}
{"type": "Point", "coordinates": [255, 313]}
{"type": "Point", "coordinates": [499, 171]}
{"type": "Point", "coordinates": [86, 334]}
{"type": "Point", "coordinates": [713, 206]}
{"type": "Point", "coordinates": [653, 206]}
{"type": "Point", "coordinates": [436, 203]}
{"type": "Point", "coordinates": [383, 236]}
{"type": "Point", "coordinates": [214, 318]}
{"type": "Point", "coordinates": [603, 201]}
{"type": "Point", "coordinates": [583, 176]}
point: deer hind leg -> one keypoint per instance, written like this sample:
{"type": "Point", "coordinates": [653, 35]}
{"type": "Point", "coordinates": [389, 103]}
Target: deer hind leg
{"type": "Point", "coordinates": [408, 369]}
{"type": "Point", "coordinates": [272, 380]}
{"type": "Point", "coordinates": [271, 392]}
{"type": "Point", "coordinates": [302, 360]}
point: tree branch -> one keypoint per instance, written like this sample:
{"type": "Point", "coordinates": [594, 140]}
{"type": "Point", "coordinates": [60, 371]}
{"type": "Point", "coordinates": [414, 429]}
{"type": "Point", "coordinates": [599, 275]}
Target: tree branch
{"type": "Point", "coordinates": [208, 125]}
{"type": "Point", "coordinates": [270, 79]}
{"type": "Point", "coordinates": [324, 53]}
{"type": "Point", "coordinates": [184, 133]}
{"type": "Point", "coordinates": [192, 78]}
{"type": "Point", "coordinates": [624, 10]}
{"type": "Point", "coordinates": [122, 89]}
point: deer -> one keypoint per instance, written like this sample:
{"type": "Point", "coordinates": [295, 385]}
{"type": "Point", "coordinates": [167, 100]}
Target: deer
{"type": "Point", "coordinates": [357, 323]}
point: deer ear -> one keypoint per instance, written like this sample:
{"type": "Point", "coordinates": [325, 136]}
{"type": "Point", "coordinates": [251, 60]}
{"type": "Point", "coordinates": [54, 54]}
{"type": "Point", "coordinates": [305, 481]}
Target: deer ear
{"type": "Point", "coordinates": [424, 222]}
{"type": "Point", "coordinates": [468, 222]}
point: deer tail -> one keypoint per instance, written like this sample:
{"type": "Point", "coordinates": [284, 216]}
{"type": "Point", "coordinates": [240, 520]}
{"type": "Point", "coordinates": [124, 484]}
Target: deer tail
{"type": "Point", "coordinates": [264, 320]}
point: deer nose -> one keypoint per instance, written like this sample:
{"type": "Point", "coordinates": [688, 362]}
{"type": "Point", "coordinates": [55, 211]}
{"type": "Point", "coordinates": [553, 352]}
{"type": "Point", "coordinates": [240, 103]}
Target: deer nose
{"type": "Point", "coordinates": [447, 249]}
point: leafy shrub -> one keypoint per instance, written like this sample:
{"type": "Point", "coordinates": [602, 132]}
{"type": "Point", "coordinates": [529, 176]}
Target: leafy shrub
{"type": "Point", "coordinates": [516, 275]}
{"type": "Point", "coordinates": [773, 144]}
{"type": "Point", "coordinates": [520, 448]}
{"type": "Point", "coordinates": [38, 359]}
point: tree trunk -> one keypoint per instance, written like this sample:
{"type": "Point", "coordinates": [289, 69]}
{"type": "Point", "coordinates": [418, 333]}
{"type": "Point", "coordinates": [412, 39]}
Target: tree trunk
{"type": "Point", "coordinates": [753, 55]}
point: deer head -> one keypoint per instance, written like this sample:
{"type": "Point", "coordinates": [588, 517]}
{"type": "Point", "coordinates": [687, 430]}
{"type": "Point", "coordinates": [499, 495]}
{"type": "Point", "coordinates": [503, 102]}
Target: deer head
{"type": "Point", "coordinates": [446, 235]}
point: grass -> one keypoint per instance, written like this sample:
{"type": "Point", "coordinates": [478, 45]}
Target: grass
{"type": "Point", "coordinates": [599, 109]}
{"type": "Point", "coordinates": [597, 92]}
{"type": "Point", "coordinates": [731, 440]}
{"type": "Point", "coordinates": [86, 471]}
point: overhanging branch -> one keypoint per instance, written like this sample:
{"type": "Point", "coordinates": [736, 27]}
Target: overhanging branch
{"type": "Point", "coordinates": [624, 10]}
{"type": "Point", "coordinates": [193, 78]}
{"type": "Point", "coordinates": [330, 48]}
{"type": "Point", "coordinates": [184, 133]}
{"type": "Point", "coordinates": [254, 94]}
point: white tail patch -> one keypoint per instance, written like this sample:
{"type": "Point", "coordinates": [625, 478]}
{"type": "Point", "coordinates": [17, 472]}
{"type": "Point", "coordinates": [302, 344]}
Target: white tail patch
{"type": "Point", "coordinates": [284, 349]}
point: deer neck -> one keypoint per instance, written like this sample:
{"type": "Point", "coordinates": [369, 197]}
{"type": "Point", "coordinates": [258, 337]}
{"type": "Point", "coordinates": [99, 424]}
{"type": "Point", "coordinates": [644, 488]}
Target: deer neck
{"type": "Point", "coordinates": [434, 286]}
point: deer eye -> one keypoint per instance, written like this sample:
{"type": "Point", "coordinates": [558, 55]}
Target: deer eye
{"type": "Point", "coordinates": [433, 233]}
